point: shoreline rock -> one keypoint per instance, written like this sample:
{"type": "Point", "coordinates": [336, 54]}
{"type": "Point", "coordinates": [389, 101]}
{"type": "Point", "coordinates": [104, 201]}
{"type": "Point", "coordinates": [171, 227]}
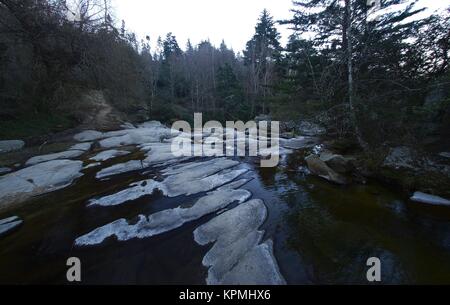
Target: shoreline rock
{"type": "Point", "coordinates": [9, 224]}
{"type": "Point", "coordinates": [429, 199]}
{"type": "Point", "coordinates": [11, 145]}
{"type": "Point", "coordinates": [38, 179]}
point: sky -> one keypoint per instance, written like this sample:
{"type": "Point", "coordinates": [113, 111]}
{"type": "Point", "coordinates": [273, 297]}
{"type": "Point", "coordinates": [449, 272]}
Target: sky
{"type": "Point", "coordinates": [231, 20]}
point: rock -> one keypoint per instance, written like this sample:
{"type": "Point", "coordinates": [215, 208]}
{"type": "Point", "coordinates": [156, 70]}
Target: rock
{"type": "Point", "coordinates": [400, 157]}
{"type": "Point", "coordinates": [57, 156]}
{"type": "Point", "coordinates": [120, 168]}
{"type": "Point", "coordinates": [287, 135]}
{"type": "Point", "coordinates": [158, 153]}
{"type": "Point", "coordinates": [92, 165]}
{"type": "Point", "coordinates": [5, 170]}
{"type": "Point", "coordinates": [38, 179]}
{"type": "Point", "coordinates": [9, 224]}
{"type": "Point", "coordinates": [166, 220]}
{"type": "Point", "coordinates": [11, 145]}
{"type": "Point", "coordinates": [109, 154]}
{"type": "Point", "coordinates": [338, 163]}
{"type": "Point", "coordinates": [136, 137]}
{"type": "Point", "coordinates": [82, 146]}
{"type": "Point", "coordinates": [88, 135]}
{"type": "Point", "coordinates": [298, 142]}
{"type": "Point", "coordinates": [429, 199]}
{"type": "Point", "coordinates": [127, 125]}
{"type": "Point", "coordinates": [317, 150]}
{"type": "Point", "coordinates": [236, 257]}
{"type": "Point", "coordinates": [321, 169]}
{"type": "Point", "coordinates": [445, 155]}
{"type": "Point", "coordinates": [288, 126]}
{"type": "Point", "coordinates": [202, 177]}
{"type": "Point", "coordinates": [257, 267]}
{"type": "Point", "coordinates": [151, 124]}
{"type": "Point", "coordinates": [310, 129]}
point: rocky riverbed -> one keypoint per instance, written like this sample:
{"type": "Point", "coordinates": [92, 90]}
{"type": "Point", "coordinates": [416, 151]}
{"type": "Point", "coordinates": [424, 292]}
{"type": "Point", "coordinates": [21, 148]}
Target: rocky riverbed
{"type": "Point", "coordinates": [135, 213]}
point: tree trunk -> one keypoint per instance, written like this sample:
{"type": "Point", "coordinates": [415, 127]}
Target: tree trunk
{"type": "Point", "coordinates": [349, 52]}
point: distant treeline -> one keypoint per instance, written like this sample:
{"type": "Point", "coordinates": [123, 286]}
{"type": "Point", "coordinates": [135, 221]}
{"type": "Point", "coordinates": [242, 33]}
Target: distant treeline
{"type": "Point", "coordinates": [374, 77]}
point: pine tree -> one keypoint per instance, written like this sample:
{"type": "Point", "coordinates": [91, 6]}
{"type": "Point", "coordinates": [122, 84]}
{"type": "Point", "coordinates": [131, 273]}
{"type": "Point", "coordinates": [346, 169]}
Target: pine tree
{"type": "Point", "coordinates": [359, 45]}
{"type": "Point", "coordinates": [262, 53]}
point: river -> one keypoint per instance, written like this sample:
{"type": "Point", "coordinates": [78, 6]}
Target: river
{"type": "Point", "coordinates": [322, 233]}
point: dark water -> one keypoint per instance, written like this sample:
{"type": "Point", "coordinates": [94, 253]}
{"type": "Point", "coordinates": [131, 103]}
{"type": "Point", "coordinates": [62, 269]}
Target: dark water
{"type": "Point", "coordinates": [322, 233]}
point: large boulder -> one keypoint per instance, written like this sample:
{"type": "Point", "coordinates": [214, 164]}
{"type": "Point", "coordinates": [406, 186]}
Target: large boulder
{"type": "Point", "coordinates": [338, 163]}
{"type": "Point", "coordinates": [401, 157]}
{"type": "Point", "coordinates": [38, 179]}
{"type": "Point", "coordinates": [11, 145]}
{"type": "Point", "coordinates": [321, 169]}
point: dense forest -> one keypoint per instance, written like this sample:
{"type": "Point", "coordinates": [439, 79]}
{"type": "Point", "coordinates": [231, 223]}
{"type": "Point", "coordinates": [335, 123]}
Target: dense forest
{"type": "Point", "coordinates": [369, 76]}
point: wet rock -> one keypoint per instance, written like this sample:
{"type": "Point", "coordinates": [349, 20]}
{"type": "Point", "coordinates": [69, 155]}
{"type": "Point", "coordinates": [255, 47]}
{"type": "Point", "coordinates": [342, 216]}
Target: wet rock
{"type": "Point", "coordinates": [152, 124]}
{"type": "Point", "coordinates": [287, 135]}
{"type": "Point", "coordinates": [135, 191]}
{"type": "Point", "coordinates": [187, 179]}
{"type": "Point", "coordinates": [167, 220]}
{"type": "Point", "coordinates": [121, 168]}
{"type": "Point", "coordinates": [88, 135]}
{"type": "Point", "coordinates": [82, 146]}
{"type": "Point", "coordinates": [127, 125]}
{"type": "Point", "coordinates": [195, 177]}
{"type": "Point", "coordinates": [236, 252]}
{"type": "Point", "coordinates": [5, 170]}
{"type": "Point", "coordinates": [109, 154]}
{"type": "Point", "coordinates": [298, 142]}
{"type": "Point", "coordinates": [429, 199]}
{"type": "Point", "coordinates": [338, 163]}
{"type": "Point", "coordinates": [70, 154]}
{"type": "Point", "coordinates": [310, 129]}
{"type": "Point", "coordinates": [288, 126]}
{"type": "Point", "coordinates": [38, 179]}
{"type": "Point", "coordinates": [257, 267]}
{"type": "Point", "coordinates": [160, 153]}
{"type": "Point", "coordinates": [11, 145]}
{"type": "Point", "coordinates": [400, 157]}
{"type": "Point", "coordinates": [92, 165]}
{"type": "Point", "coordinates": [136, 137]}
{"type": "Point", "coordinates": [321, 169]}
{"type": "Point", "coordinates": [445, 155]}
{"type": "Point", "coordinates": [9, 224]}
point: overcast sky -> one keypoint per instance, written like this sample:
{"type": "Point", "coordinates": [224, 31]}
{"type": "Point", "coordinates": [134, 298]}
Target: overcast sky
{"type": "Point", "coordinates": [231, 20]}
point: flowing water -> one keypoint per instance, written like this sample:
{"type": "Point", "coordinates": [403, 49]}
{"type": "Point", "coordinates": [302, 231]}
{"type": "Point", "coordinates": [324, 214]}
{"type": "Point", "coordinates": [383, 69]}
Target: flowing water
{"type": "Point", "coordinates": [322, 233]}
